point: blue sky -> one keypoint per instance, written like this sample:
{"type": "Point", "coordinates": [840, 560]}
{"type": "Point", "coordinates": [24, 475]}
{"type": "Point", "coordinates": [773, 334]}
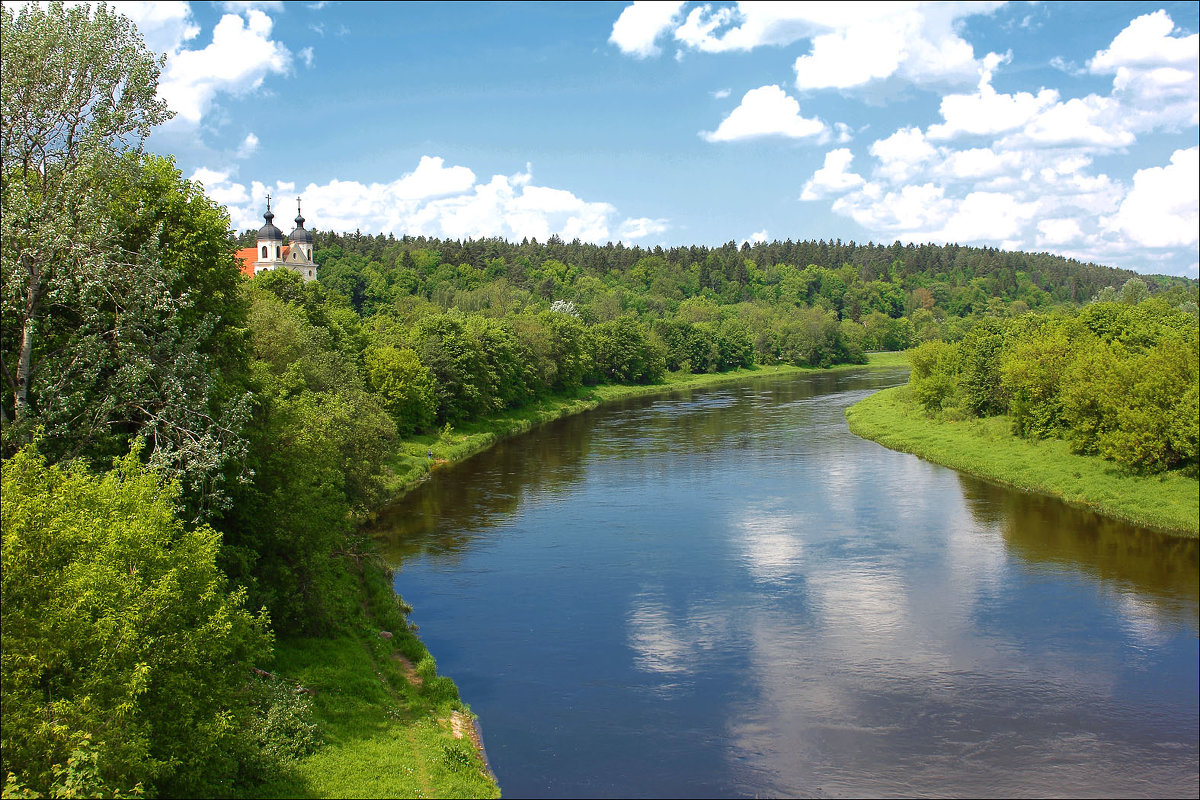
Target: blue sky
{"type": "Point", "coordinates": [1065, 127]}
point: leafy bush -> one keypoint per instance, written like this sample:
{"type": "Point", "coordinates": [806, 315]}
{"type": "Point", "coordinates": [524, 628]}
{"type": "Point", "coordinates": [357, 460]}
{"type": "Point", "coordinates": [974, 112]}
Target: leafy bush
{"type": "Point", "coordinates": [934, 376]}
{"type": "Point", "coordinates": [124, 653]}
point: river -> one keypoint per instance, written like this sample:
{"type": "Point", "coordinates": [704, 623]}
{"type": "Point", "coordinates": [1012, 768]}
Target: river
{"type": "Point", "coordinates": [724, 593]}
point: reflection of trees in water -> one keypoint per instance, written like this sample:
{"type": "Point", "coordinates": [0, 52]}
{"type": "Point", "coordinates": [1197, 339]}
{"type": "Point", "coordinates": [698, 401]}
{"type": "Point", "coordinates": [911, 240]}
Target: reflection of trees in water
{"type": "Point", "coordinates": [1043, 530]}
{"type": "Point", "coordinates": [459, 504]}
{"type": "Point", "coordinates": [445, 515]}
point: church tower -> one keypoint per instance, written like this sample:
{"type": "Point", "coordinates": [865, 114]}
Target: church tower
{"type": "Point", "coordinates": [300, 247]}
{"type": "Point", "coordinates": [270, 244]}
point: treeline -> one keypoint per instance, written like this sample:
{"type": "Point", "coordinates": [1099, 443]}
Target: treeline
{"type": "Point", "coordinates": [950, 279]}
{"type": "Point", "coordinates": [1117, 379]}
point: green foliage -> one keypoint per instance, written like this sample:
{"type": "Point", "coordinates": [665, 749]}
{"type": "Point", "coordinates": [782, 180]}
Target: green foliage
{"type": "Point", "coordinates": [1031, 372]}
{"type": "Point", "coordinates": [1118, 380]}
{"type": "Point", "coordinates": [119, 290]}
{"type": "Point", "coordinates": [284, 729]}
{"type": "Point", "coordinates": [934, 376]}
{"type": "Point", "coordinates": [124, 651]}
{"type": "Point", "coordinates": [318, 440]}
{"type": "Point", "coordinates": [404, 384]}
{"type": "Point", "coordinates": [623, 353]}
{"type": "Point", "coordinates": [980, 351]}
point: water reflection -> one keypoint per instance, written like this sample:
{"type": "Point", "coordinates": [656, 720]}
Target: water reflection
{"type": "Point", "coordinates": [1162, 569]}
{"type": "Point", "coordinates": [725, 594]}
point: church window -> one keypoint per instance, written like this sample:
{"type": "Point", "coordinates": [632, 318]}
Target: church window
{"type": "Point", "coordinates": [277, 251]}
{"type": "Point", "coordinates": [264, 255]}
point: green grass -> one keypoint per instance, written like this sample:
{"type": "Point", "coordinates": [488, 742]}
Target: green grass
{"type": "Point", "coordinates": [386, 718]}
{"type": "Point", "coordinates": [1169, 502]}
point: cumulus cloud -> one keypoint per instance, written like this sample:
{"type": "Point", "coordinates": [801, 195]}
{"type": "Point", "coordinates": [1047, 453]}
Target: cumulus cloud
{"type": "Point", "coordinates": [438, 200]}
{"type": "Point", "coordinates": [914, 42]}
{"type": "Point", "coordinates": [640, 24]}
{"type": "Point", "coordinates": [979, 163]}
{"type": "Point", "coordinates": [641, 227]}
{"type": "Point", "coordinates": [765, 111]}
{"type": "Point", "coordinates": [1058, 232]}
{"type": "Point", "coordinates": [1146, 42]}
{"type": "Point", "coordinates": [1156, 74]}
{"type": "Point", "coordinates": [903, 155]}
{"type": "Point", "coordinates": [163, 26]}
{"type": "Point", "coordinates": [987, 112]}
{"type": "Point", "coordinates": [241, 55]}
{"type": "Point", "coordinates": [833, 177]}
{"type": "Point", "coordinates": [852, 44]}
{"type": "Point", "coordinates": [1163, 208]}
{"type": "Point", "coordinates": [218, 186]}
{"type": "Point", "coordinates": [248, 146]}
{"type": "Point", "coordinates": [1156, 86]}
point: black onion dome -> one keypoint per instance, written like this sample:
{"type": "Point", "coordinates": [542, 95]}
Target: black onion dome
{"type": "Point", "coordinates": [300, 235]}
{"type": "Point", "coordinates": [269, 231]}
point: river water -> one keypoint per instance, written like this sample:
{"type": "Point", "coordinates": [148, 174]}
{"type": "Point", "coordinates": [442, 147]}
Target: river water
{"type": "Point", "coordinates": [725, 593]}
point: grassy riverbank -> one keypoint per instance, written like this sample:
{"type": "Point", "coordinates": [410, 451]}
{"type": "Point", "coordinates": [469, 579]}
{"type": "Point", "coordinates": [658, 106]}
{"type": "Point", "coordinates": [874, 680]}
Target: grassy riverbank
{"type": "Point", "coordinates": [391, 727]}
{"type": "Point", "coordinates": [986, 448]}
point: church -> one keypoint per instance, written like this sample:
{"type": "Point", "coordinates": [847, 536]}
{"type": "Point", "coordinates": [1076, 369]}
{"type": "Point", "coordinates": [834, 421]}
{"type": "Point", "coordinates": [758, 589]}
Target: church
{"type": "Point", "coordinates": [271, 252]}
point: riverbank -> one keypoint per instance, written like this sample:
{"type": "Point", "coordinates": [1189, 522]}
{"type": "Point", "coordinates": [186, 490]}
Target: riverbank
{"type": "Point", "coordinates": [986, 448]}
{"type": "Point", "coordinates": [389, 725]}
{"type": "Point", "coordinates": [417, 456]}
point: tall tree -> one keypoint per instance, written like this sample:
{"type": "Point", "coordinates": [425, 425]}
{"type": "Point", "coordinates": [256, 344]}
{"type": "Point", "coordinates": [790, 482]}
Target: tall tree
{"type": "Point", "coordinates": [119, 291]}
{"type": "Point", "coordinates": [78, 91]}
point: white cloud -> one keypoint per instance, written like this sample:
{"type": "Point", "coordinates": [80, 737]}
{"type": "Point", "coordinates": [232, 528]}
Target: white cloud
{"type": "Point", "coordinates": [641, 227]}
{"type": "Point", "coordinates": [1163, 208]}
{"type": "Point", "coordinates": [852, 44]}
{"type": "Point", "coordinates": [1156, 75]}
{"type": "Point", "coordinates": [438, 200]}
{"type": "Point", "coordinates": [430, 179]}
{"type": "Point", "coordinates": [765, 111]}
{"type": "Point", "coordinates": [218, 187]}
{"type": "Point", "coordinates": [986, 217]}
{"type": "Point", "coordinates": [640, 24]}
{"type": "Point", "coordinates": [1092, 121]}
{"type": "Point", "coordinates": [1058, 232]}
{"type": "Point", "coordinates": [911, 208]}
{"type": "Point", "coordinates": [844, 133]}
{"type": "Point", "coordinates": [979, 163]}
{"type": "Point", "coordinates": [237, 61]}
{"type": "Point", "coordinates": [306, 55]}
{"type": "Point", "coordinates": [248, 146]}
{"type": "Point", "coordinates": [987, 112]}
{"type": "Point", "coordinates": [903, 154]}
{"type": "Point", "coordinates": [1147, 42]}
{"type": "Point", "coordinates": [833, 177]}
{"type": "Point", "coordinates": [721, 94]}
{"type": "Point", "coordinates": [163, 26]}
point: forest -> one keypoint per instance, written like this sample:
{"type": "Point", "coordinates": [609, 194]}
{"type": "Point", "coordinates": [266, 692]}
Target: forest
{"type": "Point", "coordinates": [187, 454]}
